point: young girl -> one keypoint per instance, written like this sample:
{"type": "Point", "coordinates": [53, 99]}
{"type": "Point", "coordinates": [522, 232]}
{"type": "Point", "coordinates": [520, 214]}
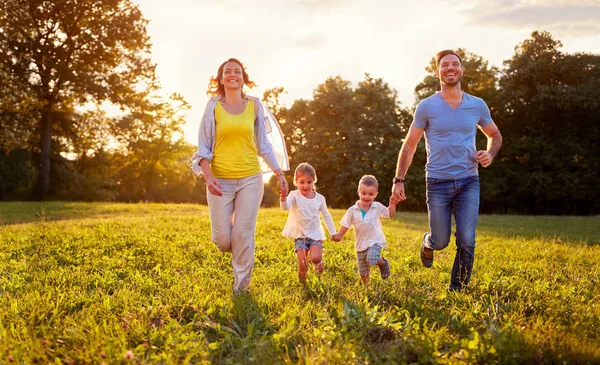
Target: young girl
{"type": "Point", "coordinates": [306, 206]}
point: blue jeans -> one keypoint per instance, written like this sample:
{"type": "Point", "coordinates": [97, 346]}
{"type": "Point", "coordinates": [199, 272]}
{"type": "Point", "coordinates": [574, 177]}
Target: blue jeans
{"type": "Point", "coordinates": [461, 197]}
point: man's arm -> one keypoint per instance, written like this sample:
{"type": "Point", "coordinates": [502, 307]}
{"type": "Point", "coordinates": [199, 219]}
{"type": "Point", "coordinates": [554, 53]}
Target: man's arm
{"type": "Point", "coordinates": [405, 159]}
{"type": "Point", "coordinates": [494, 142]}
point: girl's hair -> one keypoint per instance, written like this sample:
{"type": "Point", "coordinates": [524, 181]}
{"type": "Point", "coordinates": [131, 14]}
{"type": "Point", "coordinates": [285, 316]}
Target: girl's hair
{"type": "Point", "coordinates": [368, 180]}
{"type": "Point", "coordinates": [216, 88]}
{"type": "Point", "coordinates": [305, 169]}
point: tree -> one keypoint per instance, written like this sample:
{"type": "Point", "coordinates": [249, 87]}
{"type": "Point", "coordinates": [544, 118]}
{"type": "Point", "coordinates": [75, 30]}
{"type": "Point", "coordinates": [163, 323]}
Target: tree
{"type": "Point", "coordinates": [550, 111]}
{"type": "Point", "coordinates": [69, 52]}
{"type": "Point", "coordinates": [153, 158]}
{"type": "Point", "coordinates": [345, 133]}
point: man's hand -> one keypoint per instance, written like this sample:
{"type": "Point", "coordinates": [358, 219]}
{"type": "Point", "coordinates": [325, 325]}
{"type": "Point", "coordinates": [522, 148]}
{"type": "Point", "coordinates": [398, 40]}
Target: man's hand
{"type": "Point", "coordinates": [484, 158]}
{"type": "Point", "coordinates": [398, 192]}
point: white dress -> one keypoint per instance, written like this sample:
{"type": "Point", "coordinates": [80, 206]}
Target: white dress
{"type": "Point", "coordinates": [304, 219]}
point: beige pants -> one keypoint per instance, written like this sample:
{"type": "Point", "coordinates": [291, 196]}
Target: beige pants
{"type": "Point", "coordinates": [233, 222]}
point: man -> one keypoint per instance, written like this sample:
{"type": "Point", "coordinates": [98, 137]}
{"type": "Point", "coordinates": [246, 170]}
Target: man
{"type": "Point", "coordinates": [450, 119]}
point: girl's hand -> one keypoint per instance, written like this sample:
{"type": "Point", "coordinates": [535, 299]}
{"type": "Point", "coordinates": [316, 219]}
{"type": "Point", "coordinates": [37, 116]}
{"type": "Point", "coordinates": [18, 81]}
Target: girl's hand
{"type": "Point", "coordinates": [214, 187]}
{"type": "Point", "coordinates": [283, 186]}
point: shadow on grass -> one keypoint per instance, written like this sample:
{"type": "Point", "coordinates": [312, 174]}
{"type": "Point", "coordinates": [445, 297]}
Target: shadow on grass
{"type": "Point", "coordinates": [559, 229]}
{"type": "Point", "coordinates": [435, 325]}
{"type": "Point", "coordinates": [12, 213]}
{"type": "Point", "coordinates": [242, 331]}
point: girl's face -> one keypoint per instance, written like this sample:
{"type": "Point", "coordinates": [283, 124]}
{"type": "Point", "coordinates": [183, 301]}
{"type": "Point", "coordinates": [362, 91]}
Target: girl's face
{"type": "Point", "coordinates": [305, 184]}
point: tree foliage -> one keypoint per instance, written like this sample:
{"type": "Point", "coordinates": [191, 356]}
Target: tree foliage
{"type": "Point", "coordinates": [60, 60]}
{"type": "Point", "coordinates": [346, 132]}
{"type": "Point", "coordinates": [69, 52]}
{"type": "Point", "coordinates": [550, 115]}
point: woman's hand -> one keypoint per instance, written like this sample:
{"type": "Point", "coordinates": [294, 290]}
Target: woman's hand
{"type": "Point", "coordinates": [213, 186]}
{"type": "Point", "coordinates": [283, 185]}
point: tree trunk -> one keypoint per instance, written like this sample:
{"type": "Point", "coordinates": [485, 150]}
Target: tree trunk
{"type": "Point", "coordinates": [46, 145]}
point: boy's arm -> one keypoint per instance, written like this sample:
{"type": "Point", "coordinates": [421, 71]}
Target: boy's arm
{"type": "Point", "coordinates": [338, 236]}
{"type": "Point", "coordinates": [392, 206]}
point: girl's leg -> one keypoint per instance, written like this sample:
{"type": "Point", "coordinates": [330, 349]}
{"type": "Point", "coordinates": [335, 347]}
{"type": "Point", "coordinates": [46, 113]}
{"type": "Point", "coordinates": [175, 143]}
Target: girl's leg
{"type": "Point", "coordinates": [316, 256]}
{"type": "Point", "coordinates": [247, 202]}
{"type": "Point", "coordinates": [302, 264]}
{"type": "Point", "coordinates": [365, 279]}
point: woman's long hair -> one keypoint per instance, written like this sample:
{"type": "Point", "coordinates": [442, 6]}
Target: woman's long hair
{"type": "Point", "coordinates": [216, 88]}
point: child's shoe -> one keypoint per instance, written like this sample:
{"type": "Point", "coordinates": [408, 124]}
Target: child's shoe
{"type": "Point", "coordinates": [385, 269]}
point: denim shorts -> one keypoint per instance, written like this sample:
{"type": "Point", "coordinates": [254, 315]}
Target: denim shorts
{"type": "Point", "coordinates": [304, 243]}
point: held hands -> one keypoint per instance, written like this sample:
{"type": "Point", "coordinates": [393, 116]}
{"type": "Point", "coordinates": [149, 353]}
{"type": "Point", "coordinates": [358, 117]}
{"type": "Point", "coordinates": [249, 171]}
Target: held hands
{"type": "Point", "coordinates": [336, 237]}
{"type": "Point", "coordinates": [283, 187]}
{"type": "Point", "coordinates": [398, 194]}
{"type": "Point", "coordinates": [484, 158]}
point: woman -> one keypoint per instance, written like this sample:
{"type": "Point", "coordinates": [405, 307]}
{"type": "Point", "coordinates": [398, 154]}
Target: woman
{"type": "Point", "coordinates": [234, 131]}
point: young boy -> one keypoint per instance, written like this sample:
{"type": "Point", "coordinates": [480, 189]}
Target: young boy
{"type": "Point", "coordinates": [366, 216]}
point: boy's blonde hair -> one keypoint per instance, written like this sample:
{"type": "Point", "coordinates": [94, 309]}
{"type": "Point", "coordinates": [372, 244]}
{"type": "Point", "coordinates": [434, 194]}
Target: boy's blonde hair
{"type": "Point", "coordinates": [305, 169]}
{"type": "Point", "coordinates": [368, 180]}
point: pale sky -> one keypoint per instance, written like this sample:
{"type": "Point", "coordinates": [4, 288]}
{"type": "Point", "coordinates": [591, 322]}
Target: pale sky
{"type": "Point", "coordinates": [297, 44]}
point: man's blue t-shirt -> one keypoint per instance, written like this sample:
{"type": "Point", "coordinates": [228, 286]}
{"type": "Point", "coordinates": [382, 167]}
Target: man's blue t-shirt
{"type": "Point", "coordinates": [450, 135]}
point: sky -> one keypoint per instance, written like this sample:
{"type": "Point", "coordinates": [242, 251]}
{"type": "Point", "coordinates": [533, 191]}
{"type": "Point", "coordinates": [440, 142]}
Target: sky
{"type": "Point", "coordinates": [298, 44]}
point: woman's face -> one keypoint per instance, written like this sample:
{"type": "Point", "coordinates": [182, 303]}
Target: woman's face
{"type": "Point", "coordinates": [233, 76]}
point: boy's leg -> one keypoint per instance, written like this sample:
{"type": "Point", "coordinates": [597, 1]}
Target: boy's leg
{"type": "Point", "coordinates": [316, 256]}
{"type": "Point", "coordinates": [302, 264]}
{"type": "Point", "coordinates": [374, 258]}
{"type": "Point", "coordinates": [364, 267]}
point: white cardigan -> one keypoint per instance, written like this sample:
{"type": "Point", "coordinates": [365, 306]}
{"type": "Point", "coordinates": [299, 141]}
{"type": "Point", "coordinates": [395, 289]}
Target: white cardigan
{"type": "Point", "coordinates": [270, 143]}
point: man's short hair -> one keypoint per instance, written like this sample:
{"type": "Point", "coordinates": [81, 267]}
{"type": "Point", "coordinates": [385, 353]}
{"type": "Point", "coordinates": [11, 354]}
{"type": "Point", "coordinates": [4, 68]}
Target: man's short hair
{"type": "Point", "coordinates": [444, 53]}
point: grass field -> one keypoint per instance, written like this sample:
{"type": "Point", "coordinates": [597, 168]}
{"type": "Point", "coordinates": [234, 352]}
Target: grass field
{"type": "Point", "coordinates": [142, 283]}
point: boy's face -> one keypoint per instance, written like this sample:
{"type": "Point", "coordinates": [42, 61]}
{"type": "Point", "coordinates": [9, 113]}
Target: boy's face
{"type": "Point", "coordinates": [367, 194]}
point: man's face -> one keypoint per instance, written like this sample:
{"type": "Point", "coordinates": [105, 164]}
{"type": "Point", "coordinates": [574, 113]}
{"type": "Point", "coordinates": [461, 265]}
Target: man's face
{"type": "Point", "coordinates": [450, 70]}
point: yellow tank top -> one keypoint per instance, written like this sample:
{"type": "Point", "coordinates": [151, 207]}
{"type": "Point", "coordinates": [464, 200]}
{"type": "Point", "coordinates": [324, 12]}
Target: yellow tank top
{"type": "Point", "coordinates": [235, 154]}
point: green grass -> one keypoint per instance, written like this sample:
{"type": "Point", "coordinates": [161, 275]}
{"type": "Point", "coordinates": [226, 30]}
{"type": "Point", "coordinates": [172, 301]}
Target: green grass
{"type": "Point", "coordinates": [142, 283]}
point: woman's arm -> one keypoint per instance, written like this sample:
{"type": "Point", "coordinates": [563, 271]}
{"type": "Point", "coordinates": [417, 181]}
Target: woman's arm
{"type": "Point", "coordinates": [211, 183]}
